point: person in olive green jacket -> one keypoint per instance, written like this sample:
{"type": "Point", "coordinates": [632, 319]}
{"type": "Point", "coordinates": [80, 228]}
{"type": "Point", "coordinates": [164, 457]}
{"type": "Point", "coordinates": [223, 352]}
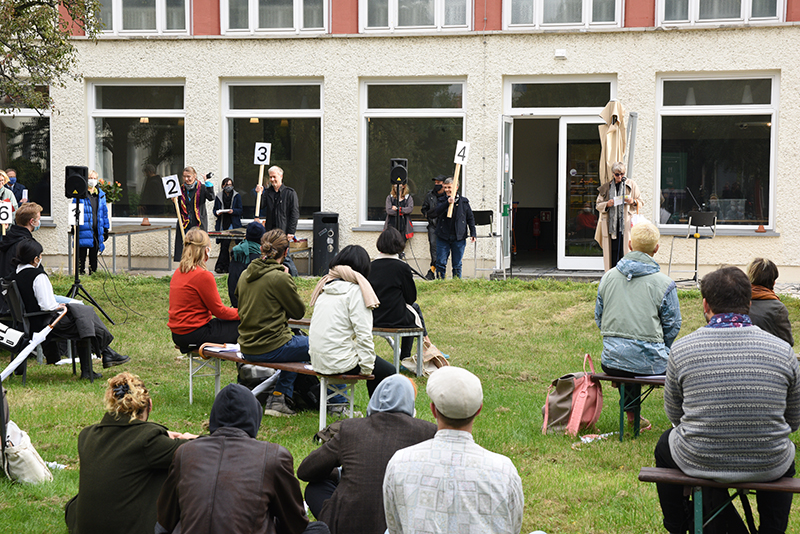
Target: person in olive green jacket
{"type": "Point", "coordinates": [124, 462]}
{"type": "Point", "coordinates": [267, 299]}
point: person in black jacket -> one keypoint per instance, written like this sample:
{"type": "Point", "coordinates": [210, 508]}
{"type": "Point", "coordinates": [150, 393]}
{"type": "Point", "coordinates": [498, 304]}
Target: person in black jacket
{"type": "Point", "coordinates": [428, 206]}
{"type": "Point", "coordinates": [281, 210]}
{"type": "Point", "coordinates": [451, 232]}
{"type": "Point", "coordinates": [393, 282]}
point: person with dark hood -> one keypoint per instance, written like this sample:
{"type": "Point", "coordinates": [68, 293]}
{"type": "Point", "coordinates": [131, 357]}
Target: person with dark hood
{"type": "Point", "coordinates": [248, 488]}
{"type": "Point", "coordinates": [241, 256]}
{"type": "Point", "coordinates": [228, 209]}
{"type": "Point", "coordinates": [345, 475]}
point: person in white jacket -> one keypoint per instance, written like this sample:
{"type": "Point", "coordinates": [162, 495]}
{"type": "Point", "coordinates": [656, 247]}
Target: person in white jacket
{"type": "Point", "coordinates": [340, 336]}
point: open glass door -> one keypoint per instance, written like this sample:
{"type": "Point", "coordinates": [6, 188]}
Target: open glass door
{"type": "Point", "coordinates": [578, 162]}
{"type": "Point", "coordinates": [506, 186]}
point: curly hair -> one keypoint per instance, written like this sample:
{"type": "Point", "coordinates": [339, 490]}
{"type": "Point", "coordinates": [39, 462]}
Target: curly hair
{"type": "Point", "coordinates": [273, 244]}
{"type": "Point", "coordinates": [126, 394]}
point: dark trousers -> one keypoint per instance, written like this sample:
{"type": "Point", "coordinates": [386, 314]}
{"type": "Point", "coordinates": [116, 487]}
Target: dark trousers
{"type": "Point", "coordinates": [92, 251]}
{"type": "Point", "coordinates": [214, 331]}
{"type": "Point", "coordinates": [381, 370]}
{"type": "Point", "coordinates": [317, 493]}
{"type": "Point", "coordinates": [632, 391]}
{"type": "Point", "coordinates": [773, 506]}
{"type": "Point", "coordinates": [618, 247]}
{"type": "Point", "coordinates": [432, 242]}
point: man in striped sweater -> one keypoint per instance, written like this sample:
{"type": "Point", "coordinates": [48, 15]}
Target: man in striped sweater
{"type": "Point", "coordinates": [732, 393]}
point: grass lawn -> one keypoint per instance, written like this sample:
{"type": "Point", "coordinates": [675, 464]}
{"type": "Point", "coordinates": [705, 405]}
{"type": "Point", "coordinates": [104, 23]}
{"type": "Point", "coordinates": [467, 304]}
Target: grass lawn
{"type": "Point", "coordinates": [516, 336]}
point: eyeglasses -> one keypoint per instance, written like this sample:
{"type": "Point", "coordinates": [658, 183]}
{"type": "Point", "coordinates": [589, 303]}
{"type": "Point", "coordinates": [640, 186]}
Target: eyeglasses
{"type": "Point", "coordinates": [619, 174]}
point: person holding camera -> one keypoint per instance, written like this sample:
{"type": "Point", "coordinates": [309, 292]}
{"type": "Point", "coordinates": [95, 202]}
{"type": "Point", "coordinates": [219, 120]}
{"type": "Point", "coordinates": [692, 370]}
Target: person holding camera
{"type": "Point", "coordinates": [427, 207]}
{"type": "Point", "coordinates": [192, 205]}
{"type": "Point", "coordinates": [94, 230]}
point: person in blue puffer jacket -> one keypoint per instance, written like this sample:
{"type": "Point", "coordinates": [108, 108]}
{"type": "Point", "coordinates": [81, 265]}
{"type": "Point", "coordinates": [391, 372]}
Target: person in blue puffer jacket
{"type": "Point", "coordinates": [638, 313]}
{"type": "Point", "coordinates": [94, 230]}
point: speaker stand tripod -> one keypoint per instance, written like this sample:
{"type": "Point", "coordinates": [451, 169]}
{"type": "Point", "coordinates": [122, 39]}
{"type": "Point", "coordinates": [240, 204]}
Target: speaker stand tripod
{"type": "Point", "coordinates": [77, 288]}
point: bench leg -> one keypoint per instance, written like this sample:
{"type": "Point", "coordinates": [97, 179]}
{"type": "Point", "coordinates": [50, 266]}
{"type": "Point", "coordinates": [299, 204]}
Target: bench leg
{"type": "Point", "coordinates": [191, 376]}
{"type": "Point", "coordinates": [396, 342]}
{"type": "Point", "coordinates": [697, 500]}
{"type": "Point", "coordinates": [621, 411]}
{"type": "Point", "coordinates": [420, 346]}
{"type": "Point", "coordinates": [323, 402]}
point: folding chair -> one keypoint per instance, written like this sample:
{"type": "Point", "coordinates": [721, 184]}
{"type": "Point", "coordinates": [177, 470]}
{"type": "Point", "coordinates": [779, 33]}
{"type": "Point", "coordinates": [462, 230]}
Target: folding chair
{"type": "Point", "coordinates": [486, 218]}
{"type": "Point", "coordinates": [700, 220]}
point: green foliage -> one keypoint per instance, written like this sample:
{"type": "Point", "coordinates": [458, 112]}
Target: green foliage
{"type": "Point", "coordinates": [36, 48]}
{"type": "Point", "coordinates": [517, 336]}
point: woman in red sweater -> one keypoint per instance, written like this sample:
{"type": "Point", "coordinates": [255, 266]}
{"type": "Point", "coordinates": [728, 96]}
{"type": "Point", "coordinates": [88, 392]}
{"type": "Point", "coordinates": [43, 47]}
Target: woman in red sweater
{"type": "Point", "coordinates": [196, 313]}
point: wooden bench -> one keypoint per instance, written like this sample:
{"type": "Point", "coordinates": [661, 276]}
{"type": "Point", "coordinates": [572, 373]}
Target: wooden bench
{"type": "Point", "coordinates": [213, 359]}
{"type": "Point", "coordinates": [649, 382]}
{"type": "Point", "coordinates": [393, 335]}
{"type": "Point", "coordinates": [694, 486]}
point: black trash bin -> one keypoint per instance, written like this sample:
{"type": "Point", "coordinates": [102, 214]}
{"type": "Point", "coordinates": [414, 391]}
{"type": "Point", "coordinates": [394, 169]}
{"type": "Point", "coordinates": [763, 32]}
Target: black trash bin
{"type": "Point", "coordinates": [326, 240]}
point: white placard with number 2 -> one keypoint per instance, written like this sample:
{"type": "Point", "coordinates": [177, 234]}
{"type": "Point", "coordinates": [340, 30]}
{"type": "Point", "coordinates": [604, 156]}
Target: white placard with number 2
{"type": "Point", "coordinates": [262, 153]}
{"type": "Point", "coordinates": [5, 213]}
{"type": "Point", "coordinates": [462, 153]}
{"type": "Point", "coordinates": [172, 187]}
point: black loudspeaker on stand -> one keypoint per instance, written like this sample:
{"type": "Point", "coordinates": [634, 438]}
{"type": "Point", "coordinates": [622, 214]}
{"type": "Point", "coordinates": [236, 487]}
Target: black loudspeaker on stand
{"type": "Point", "coordinates": [76, 186]}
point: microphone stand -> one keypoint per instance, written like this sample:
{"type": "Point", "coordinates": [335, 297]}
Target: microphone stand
{"type": "Point", "coordinates": [77, 288]}
{"type": "Point", "coordinates": [621, 245]}
{"type": "Point", "coordinates": [398, 223]}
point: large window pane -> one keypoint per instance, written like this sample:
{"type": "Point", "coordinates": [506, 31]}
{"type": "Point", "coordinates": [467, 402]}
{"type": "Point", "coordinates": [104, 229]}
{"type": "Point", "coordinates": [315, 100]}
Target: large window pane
{"type": "Point", "coordinates": [720, 9]}
{"type": "Point", "coordinates": [176, 15]}
{"type": "Point", "coordinates": [275, 97]}
{"type": "Point", "coordinates": [139, 97]}
{"type": "Point", "coordinates": [296, 148]}
{"type": "Point", "coordinates": [717, 92]}
{"type": "Point", "coordinates": [562, 11]}
{"type": "Point", "coordinates": [721, 161]}
{"type": "Point", "coordinates": [238, 15]}
{"type": "Point", "coordinates": [138, 14]}
{"type": "Point", "coordinates": [275, 14]}
{"type": "Point", "coordinates": [26, 149]}
{"type": "Point", "coordinates": [427, 143]}
{"type": "Point", "coordinates": [125, 147]}
{"type": "Point", "coordinates": [415, 12]}
{"type": "Point", "coordinates": [560, 95]}
{"type": "Point", "coordinates": [415, 96]}
{"type": "Point", "coordinates": [522, 12]}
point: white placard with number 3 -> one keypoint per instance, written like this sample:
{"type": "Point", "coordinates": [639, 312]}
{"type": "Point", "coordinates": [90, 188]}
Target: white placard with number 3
{"type": "Point", "coordinates": [462, 153]}
{"type": "Point", "coordinates": [262, 154]}
{"type": "Point", "coordinates": [172, 187]}
{"type": "Point", "coordinates": [5, 213]}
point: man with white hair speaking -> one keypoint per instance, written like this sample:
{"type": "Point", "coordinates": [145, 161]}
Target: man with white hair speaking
{"type": "Point", "coordinates": [449, 484]}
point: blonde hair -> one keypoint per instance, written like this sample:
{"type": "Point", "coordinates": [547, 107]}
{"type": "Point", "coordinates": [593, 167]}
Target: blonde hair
{"type": "Point", "coordinates": [274, 243]}
{"type": "Point", "coordinates": [762, 272]}
{"type": "Point", "coordinates": [126, 394]}
{"type": "Point", "coordinates": [93, 174]}
{"type": "Point", "coordinates": [194, 250]}
{"type": "Point", "coordinates": [4, 177]}
{"type": "Point", "coordinates": [26, 213]}
{"type": "Point", "coordinates": [644, 237]}
{"type": "Point", "coordinates": [403, 190]}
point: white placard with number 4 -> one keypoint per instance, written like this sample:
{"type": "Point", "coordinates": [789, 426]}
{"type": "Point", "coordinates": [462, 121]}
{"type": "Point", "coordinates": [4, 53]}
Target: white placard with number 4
{"type": "Point", "coordinates": [462, 153]}
{"type": "Point", "coordinates": [5, 213]}
{"type": "Point", "coordinates": [263, 151]}
{"type": "Point", "coordinates": [172, 187]}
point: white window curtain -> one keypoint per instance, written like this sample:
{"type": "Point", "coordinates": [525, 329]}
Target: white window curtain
{"type": "Point", "coordinates": [720, 9]}
{"type": "Point", "coordinates": [138, 14]}
{"type": "Point", "coordinates": [415, 13]}
{"type": "Point", "coordinates": [176, 15]}
{"type": "Point", "coordinates": [377, 13]}
{"type": "Point", "coordinates": [275, 14]}
{"type": "Point", "coordinates": [312, 14]}
{"type": "Point", "coordinates": [562, 11]}
{"type": "Point", "coordinates": [603, 11]}
{"type": "Point", "coordinates": [455, 13]}
{"type": "Point", "coordinates": [522, 12]}
{"type": "Point", "coordinates": [676, 10]}
{"type": "Point", "coordinates": [765, 8]}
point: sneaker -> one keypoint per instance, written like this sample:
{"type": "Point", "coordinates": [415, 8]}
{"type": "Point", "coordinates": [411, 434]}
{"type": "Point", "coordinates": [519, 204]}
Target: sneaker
{"type": "Point", "coordinates": [276, 407]}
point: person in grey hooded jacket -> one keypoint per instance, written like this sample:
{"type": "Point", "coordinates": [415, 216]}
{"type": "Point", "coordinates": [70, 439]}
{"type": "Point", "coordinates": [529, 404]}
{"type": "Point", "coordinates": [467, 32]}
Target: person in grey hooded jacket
{"type": "Point", "coordinates": [249, 487]}
{"type": "Point", "coordinates": [638, 313]}
{"type": "Point", "coordinates": [350, 499]}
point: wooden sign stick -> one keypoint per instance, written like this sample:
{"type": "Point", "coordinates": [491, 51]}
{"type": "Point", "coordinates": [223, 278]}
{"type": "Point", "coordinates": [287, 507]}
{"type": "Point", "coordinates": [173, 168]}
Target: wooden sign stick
{"type": "Point", "coordinates": [455, 190]}
{"type": "Point", "coordinates": [258, 195]}
{"type": "Point", "coordinates": [180, 219]}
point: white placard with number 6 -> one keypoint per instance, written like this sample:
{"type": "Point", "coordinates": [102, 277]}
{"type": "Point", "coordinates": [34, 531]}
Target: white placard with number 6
{"type": "Point", "coordinates": [5, 213]}
{"type": "Point", "coordinates": [462, 153]}
{"type": "Point", "coordinates": [262, 154]}
{"type": "Point", "coordinates": [172, 187]}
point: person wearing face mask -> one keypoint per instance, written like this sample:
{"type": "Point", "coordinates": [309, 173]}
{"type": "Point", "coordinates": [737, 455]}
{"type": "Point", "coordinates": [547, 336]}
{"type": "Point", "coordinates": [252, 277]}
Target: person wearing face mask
{"type": "Point", "coordinates": [6, 195]}
{"type": "Point", "coordinates": [94, 230]}
{"type": "Point", "coordinates": [192, 205]}
{"type": "Point", "coordinates": [27, 218]}
{"type": "Point", "coordinates": [228, 209]}
{"type": "Point", "coordinates": [16, 187]}
{"type": "Point", "coordinates": [196, 312]}
{"type": "Point", "coordinates": [428, 206]}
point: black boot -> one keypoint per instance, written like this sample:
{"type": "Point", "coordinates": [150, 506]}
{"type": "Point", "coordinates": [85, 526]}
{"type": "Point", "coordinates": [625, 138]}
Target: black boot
{"type": "Point", "coordinates": [85, 357]}
{"type": "Point", "coordinates": [112, 358]}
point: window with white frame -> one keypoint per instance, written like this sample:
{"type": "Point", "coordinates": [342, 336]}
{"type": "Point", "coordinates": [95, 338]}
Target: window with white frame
{"type": "Point", "coordinates": [416, 14]}
{"type": "Point", "coordinates": [137, 136]}
{"type": "Point", "coordinates": [717, 148]}
{"type": "Point", "coordinates": [251, 16]}
{"type": "Point", "coordinates": [709, 11]}
{"type": "Point", "coordinates": [144, 16]}
{"type": "Point", "coordinates": [421, 122]}
{"type": "Point", "coordinates": [561, 13]}
{"type": "Point", "coordinates": [289, 116]}
{"type": "Point", "coordinates": [25, 138]}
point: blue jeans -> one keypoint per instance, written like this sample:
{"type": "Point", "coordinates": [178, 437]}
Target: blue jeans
{"type": "Point", "coordinates": [443, 249]}
{"type": "Point", "coordinates": [296, 350]}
